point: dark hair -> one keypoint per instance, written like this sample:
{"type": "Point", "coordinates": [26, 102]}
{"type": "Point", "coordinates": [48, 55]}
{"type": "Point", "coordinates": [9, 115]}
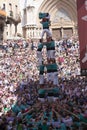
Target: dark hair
{"type": "Point", "coordinates": [47, 14]}
{"type": "Point", "coordinates": [30, 125]}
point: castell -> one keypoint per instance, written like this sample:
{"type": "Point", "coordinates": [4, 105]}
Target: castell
{"type": "Point", "coordinates": [48, 68]}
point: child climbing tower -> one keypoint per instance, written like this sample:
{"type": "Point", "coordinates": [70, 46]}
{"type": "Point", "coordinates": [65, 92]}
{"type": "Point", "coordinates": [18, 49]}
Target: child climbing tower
{"type": "Point", "coordinates": [47, 64]}
{"type": "Point", "coordinates": [45, 21]}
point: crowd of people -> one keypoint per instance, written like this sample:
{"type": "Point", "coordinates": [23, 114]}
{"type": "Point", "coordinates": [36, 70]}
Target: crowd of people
{"type": "Point", "coordinates": [20, 107]}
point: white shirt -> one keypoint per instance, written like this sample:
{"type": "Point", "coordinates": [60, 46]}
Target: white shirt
{"type": "Point", "coordinates": [68, 121]}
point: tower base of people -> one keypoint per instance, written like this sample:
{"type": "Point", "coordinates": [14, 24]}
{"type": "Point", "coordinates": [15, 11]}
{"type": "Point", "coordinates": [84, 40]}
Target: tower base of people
{"type": "Point", "coordinates": [48, 68]}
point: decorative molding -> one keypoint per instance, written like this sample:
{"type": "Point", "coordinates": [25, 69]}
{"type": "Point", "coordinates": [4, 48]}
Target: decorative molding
{"type": "Point", "coordinates": [61, 16]}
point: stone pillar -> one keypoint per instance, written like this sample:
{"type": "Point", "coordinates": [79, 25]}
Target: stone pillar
{"type": "Point", "coordinates": [10, 29]}
{"type": "Point", "coordinates": [15, 29]}
{"type": "Point", "coordinates": [74, 31]}
{"type": "Point", "coordinates": [4, 32]}
{"type": "Point", "coordinates": [26, 32]}
{"type": "Point", "coordinates": [39, 34]}
{"type": "Point", "coordinates": [35, 32]}
{"type": "Point", "coordinates": [62, 33]}
{"type": "Point", "coordinates": [29, 32]}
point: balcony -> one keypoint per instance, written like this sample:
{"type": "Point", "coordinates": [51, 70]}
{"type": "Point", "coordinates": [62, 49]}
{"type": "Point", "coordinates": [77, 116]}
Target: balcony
{"type": "Point", "coordinates": [17, 18]}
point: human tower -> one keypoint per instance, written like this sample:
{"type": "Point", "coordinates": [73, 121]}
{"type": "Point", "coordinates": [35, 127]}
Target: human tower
{"type": "Point", "coordinates": [47, 65]}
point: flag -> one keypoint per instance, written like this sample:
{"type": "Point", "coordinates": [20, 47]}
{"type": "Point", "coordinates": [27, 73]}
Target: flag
{"type": "Point", "coordinates": [82, 31]}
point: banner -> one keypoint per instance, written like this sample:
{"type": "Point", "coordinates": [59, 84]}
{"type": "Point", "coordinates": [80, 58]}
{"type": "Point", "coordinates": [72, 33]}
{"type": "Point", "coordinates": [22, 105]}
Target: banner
{"type": "Point", "coordinates": [82, 31]}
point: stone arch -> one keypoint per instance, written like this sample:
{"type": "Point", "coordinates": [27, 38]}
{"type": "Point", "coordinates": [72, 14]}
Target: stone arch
{"type": "Point", "coordinates": [54, 6]}
{"type": "Point", "coordinates": [51, 6]}
{"type": "Point", "coordinates": [62, 13]}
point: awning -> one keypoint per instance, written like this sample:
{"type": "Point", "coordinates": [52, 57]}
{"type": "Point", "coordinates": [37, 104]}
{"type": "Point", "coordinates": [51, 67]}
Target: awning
{"type": "Point", "coordinates": [2, 13]}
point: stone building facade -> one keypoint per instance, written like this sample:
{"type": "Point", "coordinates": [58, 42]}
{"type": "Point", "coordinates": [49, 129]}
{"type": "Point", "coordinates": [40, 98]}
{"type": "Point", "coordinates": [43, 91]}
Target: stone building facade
{"type": "Point", "coordinates": [9, 18]}
{"type": "Point", "coordinates": [63, 17]}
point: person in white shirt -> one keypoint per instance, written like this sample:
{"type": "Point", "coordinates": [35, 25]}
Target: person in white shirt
{"type": "Point", "coordinates": [68, 121]}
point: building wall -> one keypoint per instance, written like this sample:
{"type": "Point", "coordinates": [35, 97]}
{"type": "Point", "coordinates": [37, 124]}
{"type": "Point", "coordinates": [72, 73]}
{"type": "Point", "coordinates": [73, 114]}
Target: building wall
{"type": "Point", "coordinates": [11, 20]}
{"type": "Point", "coordinates": [63, 17]}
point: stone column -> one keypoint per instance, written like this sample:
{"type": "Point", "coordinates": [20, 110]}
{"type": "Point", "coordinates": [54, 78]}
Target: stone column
{"type": "Point", "coordinates": [10, 29]}
{"type": "Point", "coordinates": [62, 33]}
{"type": "Point", "coordinates": [76, 30]}
{"type": "Point", "coordinates": [39, 33]}
{"type": "Point", "coordinates": [15, 29]}
{"type": "Point", "coordinates": [73, 30]}
{"type": "Point", "coordinates": [26, 32]}
{"type": "Point", "coordinates": [29, 32]}
{"type": "Point", "coordinates": [4, 32]}
{"type": "Point", "coordinates": [34, 32]}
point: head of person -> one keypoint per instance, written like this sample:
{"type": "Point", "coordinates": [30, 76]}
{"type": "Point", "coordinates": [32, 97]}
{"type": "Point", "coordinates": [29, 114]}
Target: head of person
{"type": "Point", "coordinates": [49, 38]}
{"type": "Point", "coordinates": [47, 14]}
{"type": "Point", "coordinates": [44, 122]}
